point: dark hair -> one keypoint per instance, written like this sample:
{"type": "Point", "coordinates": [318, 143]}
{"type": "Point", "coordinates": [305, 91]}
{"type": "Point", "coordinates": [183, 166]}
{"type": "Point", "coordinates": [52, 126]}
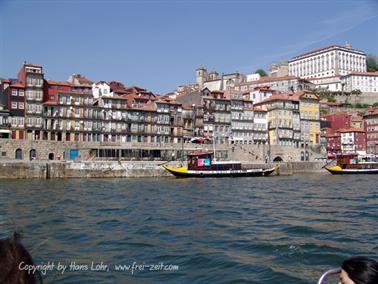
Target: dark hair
{"type": "Point", "coordinates": [12, 253]}
{"type": "Point", "coordinates": [361, 270]}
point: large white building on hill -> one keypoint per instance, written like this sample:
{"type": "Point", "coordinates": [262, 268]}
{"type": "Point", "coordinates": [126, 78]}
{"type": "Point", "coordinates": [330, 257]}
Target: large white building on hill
{"type": "Point", "coordinates": [329, 61]}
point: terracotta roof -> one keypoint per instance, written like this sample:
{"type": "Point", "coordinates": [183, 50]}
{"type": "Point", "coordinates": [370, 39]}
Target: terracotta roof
{"type": "Point", "coordinates": [50, 103]}
{"type": "Point", "coordinates": [329, 103]}
{"type": "Point", "coordinates": [344, 130]}
{"type": "Point", "coordinates": [372, 111]}
{"type": "Point", "coordinates": [280, 97]}
{"type": "Point", "coordinates": [17, 85]}
{"type": "Point", "coordinates": [302, 93]}
{"type": "Point", "coordinates": [259, 109]}
{"type": "Point", "coordinates": [52, 82]}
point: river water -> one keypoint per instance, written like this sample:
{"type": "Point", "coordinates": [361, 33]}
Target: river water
{"type": "Point", "coordinates": [280, 229]}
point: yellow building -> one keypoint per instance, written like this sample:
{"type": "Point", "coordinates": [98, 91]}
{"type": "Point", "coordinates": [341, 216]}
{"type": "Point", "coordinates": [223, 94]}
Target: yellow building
{"type": "Point", "coordinates": [283, 119]}
{"type": "Point", "coordinates": [310, 117]}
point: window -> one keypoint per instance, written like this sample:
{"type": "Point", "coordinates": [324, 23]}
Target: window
{"type": "Point", "coordinates": [21, 105]}
{"type": "Point", "coordinates": [14, 92]}
{"type": "Point", "coordinates": [21, 93]}
{"type": "Point", "coordinates": [14, 105]}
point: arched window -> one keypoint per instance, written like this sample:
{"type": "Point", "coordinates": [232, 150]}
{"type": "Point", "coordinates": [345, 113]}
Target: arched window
{"type": "Point", "coordinates": [32, 154]}
{"type": "Point", "coordinates": [18, 154]}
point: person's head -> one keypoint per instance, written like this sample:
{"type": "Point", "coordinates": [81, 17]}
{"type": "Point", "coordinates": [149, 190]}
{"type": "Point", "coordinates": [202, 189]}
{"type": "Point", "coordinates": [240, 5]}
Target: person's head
{"type": "Point", "coordinates": [12, 253]}
{"type": "Point", "coordinates": [359, 270]}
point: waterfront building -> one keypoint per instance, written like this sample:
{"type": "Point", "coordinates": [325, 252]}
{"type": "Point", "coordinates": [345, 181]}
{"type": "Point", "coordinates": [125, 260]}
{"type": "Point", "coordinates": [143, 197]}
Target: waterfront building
{"type": "Point", "coordinates": [353, 140]}
{"type": "Point", "coordinates": [332, 140]}
{"type": "Point", "coordinates": [366, 82]}
{"type": "Point", "coordinates": [241, 118]}
{"type": "Point", "coordinates": [260, 126]}
{"type": "Point", "coordinates": [12, 97]}
{"type": "Point", "coordinates": [31, 77]}
{"type": "Point", "coordinates": [217, 117]}
{"type": "Point", "coordinates": [282, 84]}
{"type": "Point", "coordinates": [283, 116]}
{"type": "Point", "coordinates": [309, 117]}
{"type": "Point", "coordinates": [371, 127]}
{"type": "Point", "coordinates": [4, 122]}
{"type": "Point", "coordinates": [332, 60]}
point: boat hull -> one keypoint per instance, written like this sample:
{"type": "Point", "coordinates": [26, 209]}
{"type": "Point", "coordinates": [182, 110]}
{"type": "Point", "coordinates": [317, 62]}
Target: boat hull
{"type": "Point", "coordinates": [339, 171]}
{"type": "Point", "coordinates": [185, 173]}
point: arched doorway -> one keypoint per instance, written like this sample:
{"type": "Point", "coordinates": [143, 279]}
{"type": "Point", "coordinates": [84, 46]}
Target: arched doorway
{"type": "Point", "coordinates": [302, 156]}
{"type": "Point", "coordinates": [33, 154]}
{"type": "Point", "coordinates": [277, 159]}
{"type": "Point", "coordinates": [18, 154]}
{"type": "Point", "coordinates": [307, 156]}
{"type": "Point", "coordinates": [51, 156]}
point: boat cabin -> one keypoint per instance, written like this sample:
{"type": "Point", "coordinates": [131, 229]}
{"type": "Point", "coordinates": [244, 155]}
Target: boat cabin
{"type": "Point", "coordinates": [354, 161]}
{"type": "Point", "coordinates": [204, 161]}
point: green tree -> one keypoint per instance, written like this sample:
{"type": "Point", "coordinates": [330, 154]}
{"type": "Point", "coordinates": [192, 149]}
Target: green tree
{"type": "Point", "coordinates": [356, 92]}
{"type": "Point", "coordinates": [372, 63]}
{"type": "Point", "coordinates": [261, 72]}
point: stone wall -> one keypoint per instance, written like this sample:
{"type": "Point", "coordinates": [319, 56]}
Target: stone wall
{"type": "Point", "coordinates": [117, 169]}
{"type": "Point", "coordinates": [61, 150]}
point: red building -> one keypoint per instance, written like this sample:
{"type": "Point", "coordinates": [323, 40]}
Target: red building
{"type": "Point", "coordinates": [352, 140]}
{"type": "Point", "coordinates": [333, 140]}
{"type": "Point", "coordinates": [371, 128]}
{"type": "Point", "coordinates": [338, 120]}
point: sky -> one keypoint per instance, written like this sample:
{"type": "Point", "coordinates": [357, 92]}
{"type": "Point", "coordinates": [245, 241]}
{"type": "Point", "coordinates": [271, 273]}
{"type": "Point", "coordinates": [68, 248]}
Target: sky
{"type": "Point", "coordinates": [159, 44]}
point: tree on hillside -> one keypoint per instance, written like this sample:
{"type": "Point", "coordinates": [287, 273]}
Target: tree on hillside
{"type": "Point", "coordinates": [372, 63]}
{"type": "Point", "coordinates": [261, 72]}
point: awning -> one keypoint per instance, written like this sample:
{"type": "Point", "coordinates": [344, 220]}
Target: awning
{"type": "Point", "coordinates": [5, 131]}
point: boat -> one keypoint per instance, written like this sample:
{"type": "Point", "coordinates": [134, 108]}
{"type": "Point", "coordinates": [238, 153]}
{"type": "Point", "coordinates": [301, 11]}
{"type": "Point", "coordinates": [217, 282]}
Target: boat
{"type": "Point", "coordinates": [202, 164]}
{"type": "Point", "coordinates": [354, 164]}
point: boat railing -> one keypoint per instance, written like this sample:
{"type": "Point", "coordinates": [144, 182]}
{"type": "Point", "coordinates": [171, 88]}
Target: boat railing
{"type": "Point", "coordinates": [325, 276]}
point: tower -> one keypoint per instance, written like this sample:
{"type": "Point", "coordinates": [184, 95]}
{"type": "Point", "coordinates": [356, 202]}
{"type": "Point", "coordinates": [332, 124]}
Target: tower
{"type": "Point", "coordinates": [201, 76]}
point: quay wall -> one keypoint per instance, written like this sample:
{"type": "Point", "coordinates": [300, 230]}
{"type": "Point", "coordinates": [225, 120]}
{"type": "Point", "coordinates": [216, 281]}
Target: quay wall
{"type": "Point", "coordinates": [118, 169]}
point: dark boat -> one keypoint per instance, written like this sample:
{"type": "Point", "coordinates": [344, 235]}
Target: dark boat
{"type": "Point", "coordinates": [202, 164]}
{"type": "Point", "coordinates": [354, 164]}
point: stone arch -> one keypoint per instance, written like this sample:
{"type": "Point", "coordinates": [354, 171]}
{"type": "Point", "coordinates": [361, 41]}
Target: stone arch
{"type": "Point", "coordinates": [32, 154]}
{"type": "Point", "coordinates": [277, 159]}
{"type": "Point", "coordinates": [18, 154]}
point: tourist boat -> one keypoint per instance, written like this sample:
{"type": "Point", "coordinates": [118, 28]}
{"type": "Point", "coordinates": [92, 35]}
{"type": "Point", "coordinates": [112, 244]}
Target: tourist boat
{"type": "Point", "coordinates": [355, 164]}
{"type": "Point", "coordinates": [202, 164]}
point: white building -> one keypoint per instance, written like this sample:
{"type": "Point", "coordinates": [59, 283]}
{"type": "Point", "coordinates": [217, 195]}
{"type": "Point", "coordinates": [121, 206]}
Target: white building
{"type": "Point", "coordinates": [253, 77]}
{"type": "Point", "coordinates": [101, 88]}
{"type": "Point", "coordinates": [331, 83]}
{"type": "Point", "coordinates": [259, 94]}
{"type": "Point", "coordinates": [328, 61]}
{"type": "Point", "coordinates": [366, 82]}
{"type": "Point", "coordinates": [260, 126]}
